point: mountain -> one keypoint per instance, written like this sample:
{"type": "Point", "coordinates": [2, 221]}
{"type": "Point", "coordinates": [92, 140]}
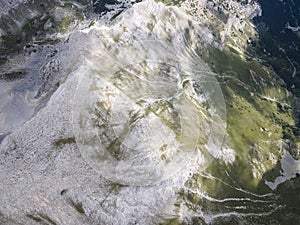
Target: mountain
{"type": "Point", "coordinates": [149, 112]}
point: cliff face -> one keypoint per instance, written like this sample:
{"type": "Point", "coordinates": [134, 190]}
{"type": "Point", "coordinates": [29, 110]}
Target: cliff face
{"type": "Point", "coordinates": [146, 112]}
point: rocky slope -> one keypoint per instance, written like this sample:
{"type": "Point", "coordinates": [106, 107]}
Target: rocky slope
{"type": "Point", "coordinates": [143, 113]}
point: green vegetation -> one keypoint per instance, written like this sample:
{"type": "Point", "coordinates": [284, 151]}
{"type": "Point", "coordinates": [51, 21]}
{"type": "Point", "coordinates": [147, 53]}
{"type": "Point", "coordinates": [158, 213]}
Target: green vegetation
{"type": "Point", "coordinates": [260, 122]}
{"type": "Point", "coordinates": [77, 206]}
{"type": "Point", "coordinates": [150, 26]}
{"type": "Point", "coordinates": [170, 2]}
{"type": "Point", "coordinates": [173, 222]}
{"type": "Point", "coordinates": [64, 141]}
{"type": "Point", "coordinates": [258, 114]}
{"type": "Point", "coordinates": [41, 219]}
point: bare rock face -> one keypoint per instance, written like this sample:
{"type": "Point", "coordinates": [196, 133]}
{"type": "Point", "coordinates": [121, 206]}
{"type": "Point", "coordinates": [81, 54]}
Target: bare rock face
{"type": "Point", "coordinates": [45, 179]}
{"type": "Point", "coordinates": [118, 139]}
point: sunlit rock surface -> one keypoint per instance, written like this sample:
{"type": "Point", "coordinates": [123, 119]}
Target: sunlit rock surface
{"type": "Point", "coordinates": [140, 107]}
{"type": "Point", "coordinates": [147, 103]}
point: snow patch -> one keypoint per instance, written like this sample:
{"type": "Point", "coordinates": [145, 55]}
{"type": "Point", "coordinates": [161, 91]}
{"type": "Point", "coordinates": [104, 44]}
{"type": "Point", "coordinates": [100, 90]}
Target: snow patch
{"type": "Point", "coordinates": [290, 168]}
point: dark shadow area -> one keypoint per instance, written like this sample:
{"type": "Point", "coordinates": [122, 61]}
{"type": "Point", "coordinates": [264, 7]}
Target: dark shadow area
{"type": "Point", "coordinates": [2, 136]}
{"type": "Point", "coordinates": [289, 197]}
{"type": "Point", "coordinates": [279, 43]}
{"type": "Point", "coordinates": [103, 7]}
